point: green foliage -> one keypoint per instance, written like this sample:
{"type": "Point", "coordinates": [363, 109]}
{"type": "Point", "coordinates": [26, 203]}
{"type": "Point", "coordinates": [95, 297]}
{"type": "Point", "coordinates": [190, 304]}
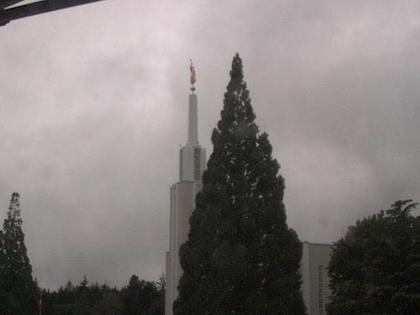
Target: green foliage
{"type": "Point", "coordinates": [375, 268]}
{"type": "Point", "coordinates": [158, 306]}
{"type": "Point", "coordinates": [240, 257]}
{"type": "Point", "coordinates": [110, 304]}
{"type": "Point", "coordinates": [18, 290]}
{"type": "Point", "coordinates": [139, 297]}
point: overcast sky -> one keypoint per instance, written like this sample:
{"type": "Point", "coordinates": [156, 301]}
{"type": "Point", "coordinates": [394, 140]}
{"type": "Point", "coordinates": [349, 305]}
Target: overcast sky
{"type": "Point", "coordinates": [93, 108]}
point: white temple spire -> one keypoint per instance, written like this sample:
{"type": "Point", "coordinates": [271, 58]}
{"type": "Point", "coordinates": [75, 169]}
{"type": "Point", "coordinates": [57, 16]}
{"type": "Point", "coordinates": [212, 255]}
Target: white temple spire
{"type": "Point", "coordinates": [192, 120]}
{"type": "Point", "coordinates": [191, 168]}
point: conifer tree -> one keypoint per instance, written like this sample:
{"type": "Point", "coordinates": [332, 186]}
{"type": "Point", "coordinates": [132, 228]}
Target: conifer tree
{"type": "Point", "coordinates": [18, 290]}
{"type": "Point", "coordinates": [240, 257]}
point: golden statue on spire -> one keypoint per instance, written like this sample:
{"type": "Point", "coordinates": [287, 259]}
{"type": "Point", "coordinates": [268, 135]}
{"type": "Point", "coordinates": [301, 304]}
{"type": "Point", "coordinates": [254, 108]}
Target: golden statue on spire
{"type": "Point", "coordinates": [193, 78]}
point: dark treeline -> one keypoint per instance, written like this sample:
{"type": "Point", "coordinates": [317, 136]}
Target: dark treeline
{"type": "Point", "coordinates": [20, 294]}
{"type": "Point", "coordinates": [375, 267]}
{"type": "Point", "coordinates": [139, 297]}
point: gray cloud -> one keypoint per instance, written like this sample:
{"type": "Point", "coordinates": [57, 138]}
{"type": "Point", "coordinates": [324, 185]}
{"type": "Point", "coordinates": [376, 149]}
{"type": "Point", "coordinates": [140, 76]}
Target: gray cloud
{"type": "Point", "coordinates": [93, 103]}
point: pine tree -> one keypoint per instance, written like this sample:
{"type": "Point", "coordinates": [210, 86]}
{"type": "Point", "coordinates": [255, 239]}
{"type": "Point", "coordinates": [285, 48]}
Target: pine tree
{"type": "Point", "coordinates": [240, 257]}
{"type": "Point", "coordinates": [18, 290]}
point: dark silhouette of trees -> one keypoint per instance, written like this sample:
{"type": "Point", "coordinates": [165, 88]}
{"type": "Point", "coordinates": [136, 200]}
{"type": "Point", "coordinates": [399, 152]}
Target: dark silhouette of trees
{"type": "Point", "coordinates": [20, 295]}
{"type": "Point", "coordinates": [375, 268]}
{"type": "Point", "coordinates": [18, 290]}
{"type": "Point", "coordinates": [138, 297]}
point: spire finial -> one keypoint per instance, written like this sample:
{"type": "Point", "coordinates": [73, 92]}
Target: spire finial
{"type": "Point", "coordinates": [193, 77]}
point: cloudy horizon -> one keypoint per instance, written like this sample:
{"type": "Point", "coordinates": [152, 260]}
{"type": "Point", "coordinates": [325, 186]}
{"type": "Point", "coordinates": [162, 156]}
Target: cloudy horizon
{"type": "Point", "coordinates": [93, 104]}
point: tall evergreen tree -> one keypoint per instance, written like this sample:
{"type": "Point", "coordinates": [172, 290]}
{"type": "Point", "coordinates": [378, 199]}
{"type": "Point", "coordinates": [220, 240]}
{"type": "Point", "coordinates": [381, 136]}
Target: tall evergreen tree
{"type": "Point", "coordinates": [375, 268]}
{"type": "Point", "coordinates": [240, 257]}
{"type": "Point", "coordinates": [18, 290]}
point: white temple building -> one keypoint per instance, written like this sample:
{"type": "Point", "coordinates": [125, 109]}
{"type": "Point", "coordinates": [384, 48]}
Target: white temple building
{"type": "Point", "coordinates": [182, 201]}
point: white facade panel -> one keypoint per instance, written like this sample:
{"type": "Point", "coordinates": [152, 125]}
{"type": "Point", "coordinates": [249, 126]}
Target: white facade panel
{"type": "Point", "coordinates": [315, 279]}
